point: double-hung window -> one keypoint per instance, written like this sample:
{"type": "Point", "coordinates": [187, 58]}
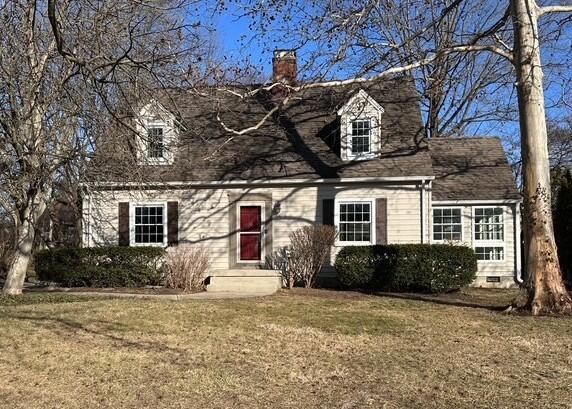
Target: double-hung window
{"type": "Point", "coordinates": [488, 227]}
{"type": "Point", "coordinates": [360, 137]}
{"type": "Point", "coordinates": [156, 142]}
{"type": "Point", "coordinates": [149, 225]}
{"type": "Point", "coordinates": [158, 131]}
{"type": "Point", "coordinates": [355, 222]}
{"type": "Point", "coordinates": [447, 224]}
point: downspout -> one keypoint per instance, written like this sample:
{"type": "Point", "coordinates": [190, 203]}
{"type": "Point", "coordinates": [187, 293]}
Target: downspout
{"type": "Point", "coordinates": [422, 211]}
{"type": "Point", "coordinates": [429, 212]}
{"type": "Point", "coordinates": [86, 218]}
{"type": "Point", "coordinates": [517, 243]}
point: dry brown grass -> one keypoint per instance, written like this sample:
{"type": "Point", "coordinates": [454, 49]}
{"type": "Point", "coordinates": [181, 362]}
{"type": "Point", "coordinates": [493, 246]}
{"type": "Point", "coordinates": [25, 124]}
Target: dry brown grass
{"type": "Point", "coordinates": [304, 349]}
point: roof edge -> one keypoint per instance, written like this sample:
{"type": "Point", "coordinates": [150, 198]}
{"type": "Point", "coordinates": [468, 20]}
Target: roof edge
{"type": "Point", "coordinates": [474, 201]}
{"type": "Point", "coordinates": [278, 181]}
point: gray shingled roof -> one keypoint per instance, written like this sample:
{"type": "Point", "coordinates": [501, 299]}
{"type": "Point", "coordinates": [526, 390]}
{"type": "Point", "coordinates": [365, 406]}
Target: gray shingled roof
{"type": "Point", "coordinates": [302, 142]}
{"type": "Point", "coordinates": [471, 169]}
{"type": "Point", "coordinates": [299, 143]}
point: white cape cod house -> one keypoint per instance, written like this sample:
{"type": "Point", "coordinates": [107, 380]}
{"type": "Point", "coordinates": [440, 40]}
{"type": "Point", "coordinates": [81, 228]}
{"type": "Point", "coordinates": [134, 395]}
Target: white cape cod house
{"type": "Point", "coordinates": [353, 156]}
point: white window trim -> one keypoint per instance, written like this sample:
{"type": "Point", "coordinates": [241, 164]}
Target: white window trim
{"type": "Point", "coordinates": [373, 138]}
{"type": "Point", "coordinates": [154, 124]}
{"type": "Point", "coordinates": [262, 233]}
{"type": "Point", "coordinates": [432, 225]}
{"type": "Point", "coordinates": [132, 206]}
{"type": "Point", "coordinates": [490, 243]}
{"type": "Point", "coordinates": [373, 219]}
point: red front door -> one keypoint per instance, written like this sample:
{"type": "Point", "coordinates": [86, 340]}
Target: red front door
{"type": "Point", "coordinates": [250, 233]}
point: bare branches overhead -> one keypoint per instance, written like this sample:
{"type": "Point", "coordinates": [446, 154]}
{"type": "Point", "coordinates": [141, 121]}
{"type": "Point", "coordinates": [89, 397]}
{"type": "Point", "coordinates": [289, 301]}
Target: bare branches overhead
{"type": "Point", "coordinates": [464, 41]}
{"type": "Point", "coordinates": [69, 72]}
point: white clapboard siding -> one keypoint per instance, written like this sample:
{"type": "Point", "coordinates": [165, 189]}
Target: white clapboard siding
{"type": "Point", "coordinates": [204, 219]}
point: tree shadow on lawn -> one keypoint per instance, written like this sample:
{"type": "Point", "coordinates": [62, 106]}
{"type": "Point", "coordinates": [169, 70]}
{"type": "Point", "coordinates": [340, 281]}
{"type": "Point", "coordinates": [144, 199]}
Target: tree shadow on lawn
{"type": "Point", "coordinates": [44, 298]}
{"type": "Point", "coordinates": [98, 328]}
{"type": "Point", "coordinates": [456, 299]}
{"type": "Point", "coordinates": [489, 299]}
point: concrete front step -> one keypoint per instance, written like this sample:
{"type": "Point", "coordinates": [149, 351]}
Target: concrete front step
{"type": "Point", "coordinates": [245, 281]}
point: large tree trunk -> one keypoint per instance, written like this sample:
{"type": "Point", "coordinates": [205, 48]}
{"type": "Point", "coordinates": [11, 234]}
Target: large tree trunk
{"type": "Point", "coordinates": [28, 218]}
{"type": "Point", "coordinates": [547, 292]}
{"type": "Point", "coordinates": [25, 233]}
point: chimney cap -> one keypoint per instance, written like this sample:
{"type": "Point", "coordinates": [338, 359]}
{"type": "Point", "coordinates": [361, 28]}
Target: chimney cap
{"type": "Point", "coordinates": [284, 53]}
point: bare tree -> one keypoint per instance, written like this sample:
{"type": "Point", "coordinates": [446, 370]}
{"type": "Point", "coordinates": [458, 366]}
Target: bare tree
{"type": "Point", "coordinates": [455, 87]}
{"type": "Point", "coordinates": [507, 30]}
{"type": "Point", "coordinates": [548, 291]}
{"type": "Point", "coordinates": [560, 143]}
{"type": "Point", "coordinates": [367, 38]}
{"type": "Point", "coordinates": [67, 68]}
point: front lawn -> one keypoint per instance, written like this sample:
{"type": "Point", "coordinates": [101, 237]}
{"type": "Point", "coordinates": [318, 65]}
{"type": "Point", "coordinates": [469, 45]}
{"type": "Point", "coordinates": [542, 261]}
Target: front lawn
{"type": "Point", "coordinates": [301, 349]}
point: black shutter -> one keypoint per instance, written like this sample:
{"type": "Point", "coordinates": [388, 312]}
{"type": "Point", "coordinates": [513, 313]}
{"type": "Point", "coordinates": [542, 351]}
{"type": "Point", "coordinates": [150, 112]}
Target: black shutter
{"type": "Point", "coordinates": [328, 212]}
{"type": "Point", "coordinates": [173, 223]}
{"type": "Point", "coordinates": [123, 227]}
{"type": "Point", "coordinates": [381, 221]}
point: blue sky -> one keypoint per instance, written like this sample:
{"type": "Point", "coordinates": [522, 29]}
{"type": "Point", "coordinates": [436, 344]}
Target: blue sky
{"type": "Point", "coordinates": [235, 39]}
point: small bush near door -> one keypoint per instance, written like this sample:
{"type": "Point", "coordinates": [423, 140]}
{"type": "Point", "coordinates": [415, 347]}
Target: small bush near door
{"type": "Point", "coordinates": [111, 266]}
{"type": "Point", "coordinates": [185, 267]}
{"type": "Point", "coordinates": [302, 260]}
{"type": "Point", "coordinates": [432, 268]}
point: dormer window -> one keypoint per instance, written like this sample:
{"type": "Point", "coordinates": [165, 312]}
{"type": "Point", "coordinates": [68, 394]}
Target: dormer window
{"type": "Point", "coordinates": [360, 135]}
{"type": "Point", "coordinates": [158, 132]}
{"type": "Point", "coordinates": [156, 142]}
{"type": "Point", "coordinates": [360, 140]}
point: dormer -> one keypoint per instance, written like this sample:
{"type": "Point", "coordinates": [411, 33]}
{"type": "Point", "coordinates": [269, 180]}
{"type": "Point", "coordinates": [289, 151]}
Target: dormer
{"type": "Point", "coordinates": [360, 119]}
{"type": "Point", "coordinates": [157, 131]}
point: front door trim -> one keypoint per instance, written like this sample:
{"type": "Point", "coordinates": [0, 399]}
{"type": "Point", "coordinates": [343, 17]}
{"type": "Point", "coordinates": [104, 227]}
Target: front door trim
{"type": "Point", "coordinates": [260, 204]}
{"type": "Point", "coordinates": [234, 198]}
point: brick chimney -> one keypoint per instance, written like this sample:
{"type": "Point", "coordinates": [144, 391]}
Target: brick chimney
{"type": "Point", "coordinates": [284, 67]}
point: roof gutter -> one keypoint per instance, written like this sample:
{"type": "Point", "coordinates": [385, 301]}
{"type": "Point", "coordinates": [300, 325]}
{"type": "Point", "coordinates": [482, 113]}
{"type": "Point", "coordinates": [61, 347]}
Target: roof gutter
{"type": "Point", "coordinates": [475, 202]}
{"type": "Point", "coordinates": [217, 183]}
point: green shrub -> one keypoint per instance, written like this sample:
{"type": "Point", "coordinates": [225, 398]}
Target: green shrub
{"type": "Point", "coordinates": [356, 266]}
{"type": "Point", "coordinates": [433, 268]}
{"type": "Point", "coordinates": [562, 209]}
{"type": "Point", "coordinates": [100, 266]}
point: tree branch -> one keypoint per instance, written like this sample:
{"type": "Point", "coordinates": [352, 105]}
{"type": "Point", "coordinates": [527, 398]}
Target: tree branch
{"type": "Point", "coordinates": [425, 61]}
{"type": "Point", "coordinates": [54, 23]}
{"type": "Point", "coordinates": [554, 9]}
{"type": "Point", "coordinates": [249, 129]}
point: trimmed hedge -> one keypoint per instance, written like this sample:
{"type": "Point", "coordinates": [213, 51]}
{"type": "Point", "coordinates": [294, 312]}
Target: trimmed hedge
{"type": "Point", "coordinates": [433, 268]}
{"type": "Point", "coordinates": [111, 266]}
